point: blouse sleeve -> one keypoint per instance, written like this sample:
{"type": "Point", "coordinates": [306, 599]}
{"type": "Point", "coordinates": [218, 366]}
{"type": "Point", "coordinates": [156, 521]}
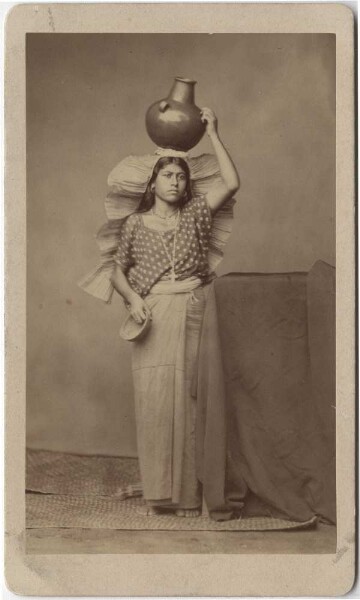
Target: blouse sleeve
{"type": "Point", "coordinates": [124, 255]}
{"type": "Point", "coordinates": [202, 213]}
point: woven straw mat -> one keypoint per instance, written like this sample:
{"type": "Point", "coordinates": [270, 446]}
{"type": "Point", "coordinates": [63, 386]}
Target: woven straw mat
{"type": "Point", "coordinates": [104, 493]}
{"type": "Point", "coordinates": [113, 513]}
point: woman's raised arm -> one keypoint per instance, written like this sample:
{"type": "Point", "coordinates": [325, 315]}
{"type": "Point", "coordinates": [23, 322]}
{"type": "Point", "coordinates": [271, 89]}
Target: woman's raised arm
{"type": "Point", "coordinates": [230, 178]}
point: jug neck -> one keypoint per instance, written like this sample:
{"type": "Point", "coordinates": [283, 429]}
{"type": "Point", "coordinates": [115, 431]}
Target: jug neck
{"type": "Point", "coordinates": [183, 90]}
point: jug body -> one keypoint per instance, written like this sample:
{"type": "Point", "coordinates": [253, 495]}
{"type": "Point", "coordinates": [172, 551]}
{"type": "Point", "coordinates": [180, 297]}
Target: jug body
{"type": "Point", "coordinates": [175, 122]}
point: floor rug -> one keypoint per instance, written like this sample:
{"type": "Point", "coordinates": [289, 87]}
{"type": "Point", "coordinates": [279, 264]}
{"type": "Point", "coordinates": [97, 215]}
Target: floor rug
{"type": "Point", "coordinates": [105, 492]}
{"type": "Point", "coordinates": [43, 510]}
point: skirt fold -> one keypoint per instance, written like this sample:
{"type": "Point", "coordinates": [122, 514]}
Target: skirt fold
{"type": "Point", "coordinates": [163, 365]}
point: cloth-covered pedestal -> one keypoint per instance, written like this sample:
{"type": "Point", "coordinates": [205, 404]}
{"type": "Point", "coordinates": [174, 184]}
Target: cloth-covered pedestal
{"type": "Point", "coordinates": [266, 395]}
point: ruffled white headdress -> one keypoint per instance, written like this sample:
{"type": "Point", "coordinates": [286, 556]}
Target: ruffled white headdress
{"type": "Point", "coordinates": [128, 182]}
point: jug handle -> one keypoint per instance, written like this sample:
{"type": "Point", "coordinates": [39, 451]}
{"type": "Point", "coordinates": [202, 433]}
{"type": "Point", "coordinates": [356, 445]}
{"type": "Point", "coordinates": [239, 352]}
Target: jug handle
{"type": "Point", "coordinates": [163, 106]}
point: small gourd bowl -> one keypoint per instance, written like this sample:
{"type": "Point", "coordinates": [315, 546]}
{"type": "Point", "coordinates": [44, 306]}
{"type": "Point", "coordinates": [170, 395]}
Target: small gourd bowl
{"type": "Point", "coordinates": [132, 331]}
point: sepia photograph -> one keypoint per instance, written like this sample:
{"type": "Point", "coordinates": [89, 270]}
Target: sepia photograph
{"type": "Point", "coordinates": [181, 294]}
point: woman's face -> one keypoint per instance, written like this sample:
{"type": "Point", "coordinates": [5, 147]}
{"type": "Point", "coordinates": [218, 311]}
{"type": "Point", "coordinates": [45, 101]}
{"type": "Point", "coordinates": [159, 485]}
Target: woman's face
{"type": "Point", "coordinates": [170, 183]}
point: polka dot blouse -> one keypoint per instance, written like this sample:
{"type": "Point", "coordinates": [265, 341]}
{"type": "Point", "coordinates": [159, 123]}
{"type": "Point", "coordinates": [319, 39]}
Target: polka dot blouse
{"type": "Point", "coordinates": [142, 256]}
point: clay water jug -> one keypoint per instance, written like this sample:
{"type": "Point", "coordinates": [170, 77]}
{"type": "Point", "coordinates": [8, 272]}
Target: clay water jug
{"type": "Point", "coordinates": [175, 121]}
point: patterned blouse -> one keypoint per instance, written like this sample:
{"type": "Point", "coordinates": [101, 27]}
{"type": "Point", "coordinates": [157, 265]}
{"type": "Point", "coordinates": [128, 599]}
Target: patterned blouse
{"type": "Point", "coordinates": [142, 256]}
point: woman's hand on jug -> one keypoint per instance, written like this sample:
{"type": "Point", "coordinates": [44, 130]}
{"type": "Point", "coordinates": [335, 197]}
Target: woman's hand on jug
{"type": "Point", "coordinates": [209, 117]}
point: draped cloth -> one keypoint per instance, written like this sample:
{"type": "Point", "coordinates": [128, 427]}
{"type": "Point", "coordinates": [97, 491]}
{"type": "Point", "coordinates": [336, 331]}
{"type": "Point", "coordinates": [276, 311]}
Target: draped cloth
{"type": "Point", "coordinates": [128, 182]}
{"type": "Point", "coordinates": [266, 395]}
{"type": "Point", "coordinates": [163, 367]}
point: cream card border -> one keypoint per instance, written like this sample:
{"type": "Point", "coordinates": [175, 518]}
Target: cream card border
{"type": "Point", "coordinates": [200, 574]}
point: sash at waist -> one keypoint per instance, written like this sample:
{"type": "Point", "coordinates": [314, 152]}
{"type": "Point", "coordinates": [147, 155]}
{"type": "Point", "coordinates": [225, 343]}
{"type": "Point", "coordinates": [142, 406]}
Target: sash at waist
{"type": "Point", "coordinates": [176, 287]}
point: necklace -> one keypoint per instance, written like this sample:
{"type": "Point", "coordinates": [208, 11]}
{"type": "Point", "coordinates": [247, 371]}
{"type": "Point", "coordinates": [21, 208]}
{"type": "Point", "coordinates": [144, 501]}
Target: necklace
{"type": "Point", "coordinates": [165, 218]}
{"type": "Point", "coordinates": [171, 258]}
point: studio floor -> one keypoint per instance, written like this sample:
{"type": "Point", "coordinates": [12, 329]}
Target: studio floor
{"type": "Point", "coordinates": [320, 540]}
{"type": "Point", "coordinates": [90, 505]}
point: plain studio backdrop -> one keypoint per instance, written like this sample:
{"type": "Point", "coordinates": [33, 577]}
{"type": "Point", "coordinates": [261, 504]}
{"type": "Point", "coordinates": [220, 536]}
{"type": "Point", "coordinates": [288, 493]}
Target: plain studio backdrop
{"type": "Point", "coordinates": [87, 95]}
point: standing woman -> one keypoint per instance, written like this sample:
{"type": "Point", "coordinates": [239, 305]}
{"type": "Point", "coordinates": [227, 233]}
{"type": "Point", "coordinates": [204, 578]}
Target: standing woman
{"type": "Point", "coordinates": [162, 273]}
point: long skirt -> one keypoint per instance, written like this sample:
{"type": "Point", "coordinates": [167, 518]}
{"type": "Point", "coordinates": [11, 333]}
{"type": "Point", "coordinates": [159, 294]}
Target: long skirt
{"type": "Point", "coordinates": [163, 366]}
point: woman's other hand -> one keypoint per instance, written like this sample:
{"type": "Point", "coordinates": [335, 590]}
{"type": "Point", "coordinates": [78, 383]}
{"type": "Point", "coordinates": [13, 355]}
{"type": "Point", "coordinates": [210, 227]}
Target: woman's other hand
{"type": "Point", "coordinates": [209, 117]}
{"type": "Point", "coordinates": [138, 309]}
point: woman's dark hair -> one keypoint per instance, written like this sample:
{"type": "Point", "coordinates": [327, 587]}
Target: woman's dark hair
{"type": "Point", "coordinates": [148, 199]}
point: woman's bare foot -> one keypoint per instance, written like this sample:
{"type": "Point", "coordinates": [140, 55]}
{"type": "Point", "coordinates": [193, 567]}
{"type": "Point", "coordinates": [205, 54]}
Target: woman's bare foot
{"type": "Point", "coordinates": [188, 512]}
{"type": "Point", "coordinates": [148, 511]}
{"type": "Point", "coordinates": [153, 511]}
